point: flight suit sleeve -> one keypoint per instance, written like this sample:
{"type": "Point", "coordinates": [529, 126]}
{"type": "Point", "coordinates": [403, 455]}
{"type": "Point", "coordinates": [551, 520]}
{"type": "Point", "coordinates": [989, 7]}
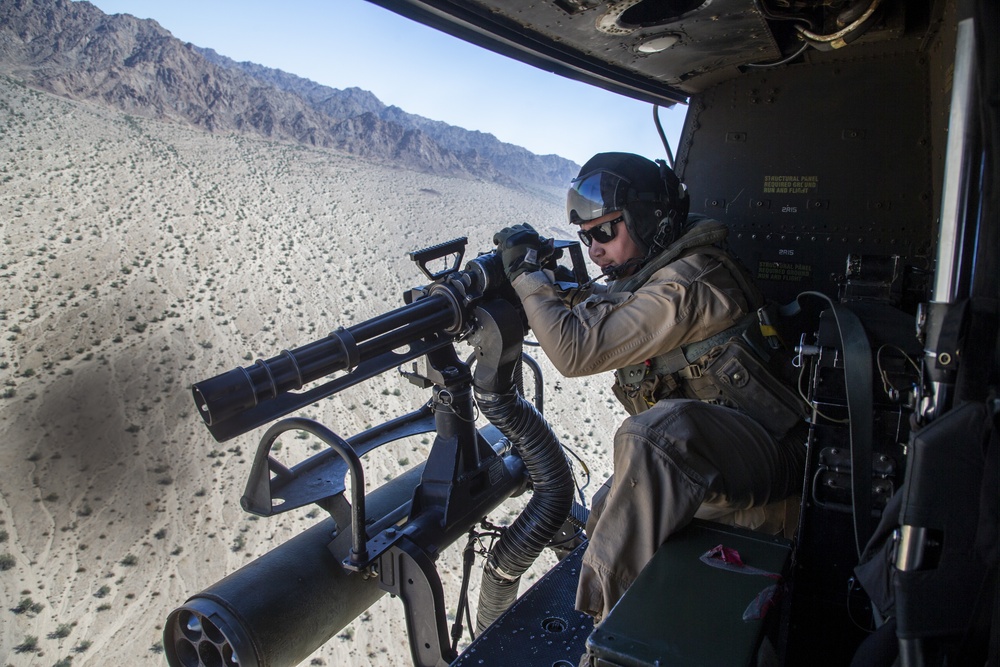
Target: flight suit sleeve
{"type": "Point", "coordinates": [686, 301]}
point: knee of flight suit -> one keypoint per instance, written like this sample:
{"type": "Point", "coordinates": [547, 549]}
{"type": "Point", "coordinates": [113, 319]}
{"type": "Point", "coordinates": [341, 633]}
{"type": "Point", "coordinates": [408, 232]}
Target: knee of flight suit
{"type": "Point", "coordinates": [597, 505]}
{"type": "Point", "coordinates": [676, 428]}
{"type": "Point", "coordinates": [733, 458]}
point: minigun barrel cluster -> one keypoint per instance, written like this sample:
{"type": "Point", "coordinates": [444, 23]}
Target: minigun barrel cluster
{"type": "Point", "coordinates": [228, 396]}
{"type": "Point", "coordinates": [245, 398]}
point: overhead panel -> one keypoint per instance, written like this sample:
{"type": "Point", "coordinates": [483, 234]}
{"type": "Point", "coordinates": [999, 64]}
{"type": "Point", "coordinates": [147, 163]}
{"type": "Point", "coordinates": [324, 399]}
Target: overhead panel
{"type": "Point", "coordinates": [655, 50]}
{"type": "Point", "coordinates": [674, 42]}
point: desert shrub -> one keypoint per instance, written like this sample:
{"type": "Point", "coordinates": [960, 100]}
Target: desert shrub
{"type": "Point", "coordinates": [6, 562]}
{"type": "Point", "coordinates": [29, 645]}
{"type": "Point", "coordinates": [28, 606]}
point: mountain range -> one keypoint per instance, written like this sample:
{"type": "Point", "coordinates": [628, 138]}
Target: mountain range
{"type": "Point", "coordinates": [75, 50]}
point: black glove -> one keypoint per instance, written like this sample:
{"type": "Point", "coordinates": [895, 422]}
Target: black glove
{"type": "Point", "coordinates": [520, 249]}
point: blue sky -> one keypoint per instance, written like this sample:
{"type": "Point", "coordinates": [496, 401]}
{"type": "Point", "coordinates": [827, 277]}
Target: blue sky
{"type": "Point", "coordinates": [344, 43]}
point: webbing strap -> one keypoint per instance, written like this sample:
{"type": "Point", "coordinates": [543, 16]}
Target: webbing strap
{"type": "Point", "coordinates": [676, 359]}
{"type": "Point", "coordinates": [858, 383]}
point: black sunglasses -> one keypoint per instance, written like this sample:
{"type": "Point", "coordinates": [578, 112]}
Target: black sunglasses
{"type": "Point", "coordinates": [602, 233]}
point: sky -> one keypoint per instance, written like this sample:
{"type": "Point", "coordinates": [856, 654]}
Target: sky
{"type": "Point", "coordinates": [352, 43]}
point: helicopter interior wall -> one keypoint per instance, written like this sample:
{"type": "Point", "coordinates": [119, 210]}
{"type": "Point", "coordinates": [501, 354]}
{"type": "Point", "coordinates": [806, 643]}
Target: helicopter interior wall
{"type": "Point", "coordinates": [811, 163]}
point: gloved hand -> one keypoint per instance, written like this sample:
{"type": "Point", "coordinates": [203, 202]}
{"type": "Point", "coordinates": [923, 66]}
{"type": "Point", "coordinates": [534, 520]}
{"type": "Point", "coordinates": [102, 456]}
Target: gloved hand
{"type": "Point", "coordinates": [520, 249]}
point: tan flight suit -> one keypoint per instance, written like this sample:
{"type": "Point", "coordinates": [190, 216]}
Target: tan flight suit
{"type": "Point", "coordinates": [681, 454]}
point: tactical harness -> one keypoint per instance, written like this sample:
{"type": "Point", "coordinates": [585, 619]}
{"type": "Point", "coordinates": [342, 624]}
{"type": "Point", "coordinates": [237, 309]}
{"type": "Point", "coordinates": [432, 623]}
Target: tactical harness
{"type": "Point", "coordinates": [731, 367]}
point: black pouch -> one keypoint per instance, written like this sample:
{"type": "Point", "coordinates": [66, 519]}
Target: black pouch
{"type": "Point", "coordinates": [746, 382]}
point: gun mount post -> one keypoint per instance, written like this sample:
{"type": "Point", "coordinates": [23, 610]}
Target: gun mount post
{"type": "Point", "coordinates": [462, 480]}
{"type": "Point", "coordinates": [408, 572]}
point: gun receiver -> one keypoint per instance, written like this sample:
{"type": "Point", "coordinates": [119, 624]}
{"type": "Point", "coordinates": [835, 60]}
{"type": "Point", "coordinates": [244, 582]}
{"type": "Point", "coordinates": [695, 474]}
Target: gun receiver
{"type": "Point", "coordinates": [257, 616]}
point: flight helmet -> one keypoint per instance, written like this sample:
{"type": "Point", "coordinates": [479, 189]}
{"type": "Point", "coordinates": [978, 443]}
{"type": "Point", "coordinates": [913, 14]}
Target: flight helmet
{"type": "Point", "coordinates": [651, 198]}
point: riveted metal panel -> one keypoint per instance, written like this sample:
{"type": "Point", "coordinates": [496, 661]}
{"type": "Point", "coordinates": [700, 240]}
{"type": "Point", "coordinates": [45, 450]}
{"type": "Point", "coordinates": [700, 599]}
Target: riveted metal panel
{"type": "Point", "coordinates": [811, 163]}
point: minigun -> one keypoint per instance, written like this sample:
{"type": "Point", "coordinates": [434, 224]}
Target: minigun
{"type": "Point", "coordinates": [279, 608]}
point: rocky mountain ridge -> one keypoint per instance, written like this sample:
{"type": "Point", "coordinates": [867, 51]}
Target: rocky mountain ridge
{"type": "Point", "coordinates": [75, 50]}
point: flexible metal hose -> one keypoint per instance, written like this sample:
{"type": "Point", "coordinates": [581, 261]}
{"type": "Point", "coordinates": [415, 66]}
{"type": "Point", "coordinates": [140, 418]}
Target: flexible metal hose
{"type": "Point", "coordinates": [544, 514]}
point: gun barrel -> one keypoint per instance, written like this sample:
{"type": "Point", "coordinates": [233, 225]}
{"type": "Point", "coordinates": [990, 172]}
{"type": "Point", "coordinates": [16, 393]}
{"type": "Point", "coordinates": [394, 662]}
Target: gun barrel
{"type": "Point", "coordinates": [228, 395]}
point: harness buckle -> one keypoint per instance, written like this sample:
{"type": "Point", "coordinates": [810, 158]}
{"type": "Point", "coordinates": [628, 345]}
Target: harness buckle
{"type": "Point", "coordinates": [692, 372]}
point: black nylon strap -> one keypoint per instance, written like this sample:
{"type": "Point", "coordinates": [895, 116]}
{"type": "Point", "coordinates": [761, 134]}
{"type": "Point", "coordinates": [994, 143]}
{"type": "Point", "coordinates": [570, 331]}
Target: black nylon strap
{"type": "Point", "coordinates": [858, 382]}
{"type": "Point", "coordinates": [679, 358]}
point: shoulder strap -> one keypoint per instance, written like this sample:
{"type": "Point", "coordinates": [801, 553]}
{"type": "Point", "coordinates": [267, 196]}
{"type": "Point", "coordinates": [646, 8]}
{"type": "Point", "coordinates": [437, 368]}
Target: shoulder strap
{"type": "Point", "coordinates": [858, 383]}
{"type": "Point", "coordinates": [704, 235]}
{"type": "Point", "coordinates": [755, 299]}
{"type": "Point", "coordinates": [685, 355]}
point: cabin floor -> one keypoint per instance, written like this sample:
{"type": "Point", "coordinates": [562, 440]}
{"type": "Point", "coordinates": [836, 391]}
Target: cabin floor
{"type": "Point", "coordinates": [541, 628]}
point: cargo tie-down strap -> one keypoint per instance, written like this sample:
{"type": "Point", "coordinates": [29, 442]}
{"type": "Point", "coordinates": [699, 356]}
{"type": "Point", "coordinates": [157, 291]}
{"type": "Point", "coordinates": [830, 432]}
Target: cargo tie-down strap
{"type": "Point", "coordinates": [728, 559]}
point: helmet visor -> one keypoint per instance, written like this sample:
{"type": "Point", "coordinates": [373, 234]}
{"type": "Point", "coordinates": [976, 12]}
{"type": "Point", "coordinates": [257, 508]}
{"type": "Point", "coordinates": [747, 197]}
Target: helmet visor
{"type": "Point", "coordinates": [595, 195]}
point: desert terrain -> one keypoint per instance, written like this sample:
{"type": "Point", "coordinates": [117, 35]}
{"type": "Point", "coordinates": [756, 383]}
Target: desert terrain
{"type": "Point", "coordinates": [141, 256]}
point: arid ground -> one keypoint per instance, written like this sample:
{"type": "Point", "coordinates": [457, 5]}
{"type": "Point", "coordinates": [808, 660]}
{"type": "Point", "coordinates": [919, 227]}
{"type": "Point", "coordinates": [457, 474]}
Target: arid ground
{"type": "Point", "coordinates": [139, 257]}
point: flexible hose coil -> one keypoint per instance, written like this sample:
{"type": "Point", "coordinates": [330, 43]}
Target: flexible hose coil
{"type": "Point", "coordinates": [544, 514]}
